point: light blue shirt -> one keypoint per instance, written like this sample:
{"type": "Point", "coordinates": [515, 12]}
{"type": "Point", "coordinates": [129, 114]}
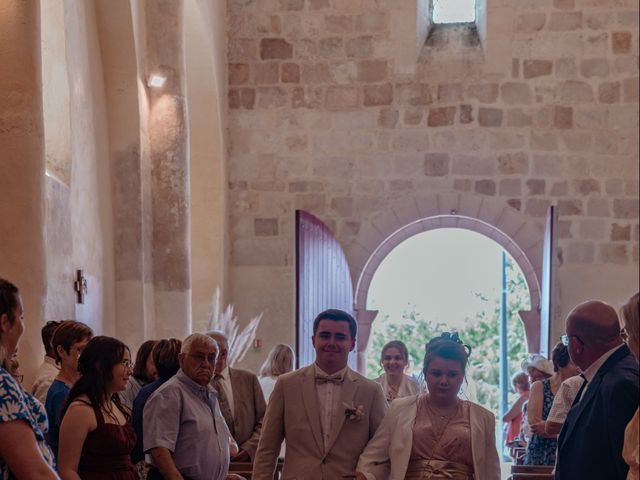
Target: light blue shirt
{"type": "Point", "coordinates": [185, 418]}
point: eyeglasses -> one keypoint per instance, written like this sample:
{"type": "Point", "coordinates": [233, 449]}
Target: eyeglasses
{"type": "Point", "coordinates": [201, 357]}
{"type": "Point", "coordinates": [565, 339]}
{"type": "Point", "coordinates": [623, 334]}
{"type": "Point", "coordinates": [126, 364]}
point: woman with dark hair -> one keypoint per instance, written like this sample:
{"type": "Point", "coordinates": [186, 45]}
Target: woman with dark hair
{"type": "Point", "coordinates": [435, 435]}
{"type": "Point", "coordinates": [24, 453]}
{"type": "Point", "coordinates": [165, 358]}
{"type": "Point", "coordinates": [144, 372]}
{"type": "Point", "coordinates": [394, 359]}
{"type": "Point", "coordinates": [96, 435]}
{"type": "Point", "coordinates": [541, 450]}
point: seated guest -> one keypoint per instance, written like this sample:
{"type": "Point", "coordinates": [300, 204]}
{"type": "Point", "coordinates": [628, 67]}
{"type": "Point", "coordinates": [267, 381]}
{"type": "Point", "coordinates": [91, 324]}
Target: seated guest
{"type": "Point", "coordinates": [280, 360]}
{"type": "Point", "coordinates": [185, 433]}
{"type": "Point", "coordinates": [537, 367]}
{"type": "Point", "coordinates": [241, 401]}
{"type": "Point", "coordinates": [562, 404]}
{"type": "Point", "coordinates": [144, 372]}
{"type": "Point", "coordinates": [165, 358]}
{"type": "Point", "coordinates": [591, 439]}
{"type": "Point", "coordinates": [326, 412]}
{"type": "Point", "coordinates": [96, 435]}
{"type": "Point", "coordinates": [69, 340]}
{"type": "Point", "coordinates": [48, 369]}
{"type": "Point", "coordinates": [513, 418]}
{"type": "Point", "coordinates": [541, 449]}
{"type": "Point", "coordinates": [435, 435]}
{"type": "Point", "coordinates": [24, 453]}
{"type": "Point", "coordinates": [395, 360]}
{"type": "Point", "coordinates": [630, 314]}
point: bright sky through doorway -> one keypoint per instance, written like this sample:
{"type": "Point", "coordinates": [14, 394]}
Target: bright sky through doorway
{"type": "Point", "coordinates": [454, 11]}
{"type": "Point", "coordinates": [438, 271]}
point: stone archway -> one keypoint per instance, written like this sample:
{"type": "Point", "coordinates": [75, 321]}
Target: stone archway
{"type": "Point", "coordinates": [378, 236]}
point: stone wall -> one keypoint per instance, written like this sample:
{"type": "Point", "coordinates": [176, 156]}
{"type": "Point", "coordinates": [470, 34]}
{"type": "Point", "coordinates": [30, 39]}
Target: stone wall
{"type": "Point", "coordinates": [322, 119]}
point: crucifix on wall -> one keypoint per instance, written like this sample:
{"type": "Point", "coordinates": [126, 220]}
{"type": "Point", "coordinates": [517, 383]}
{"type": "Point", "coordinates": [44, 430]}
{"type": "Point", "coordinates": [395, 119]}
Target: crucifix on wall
{"type": "Point", "coordinates": [80, 286]}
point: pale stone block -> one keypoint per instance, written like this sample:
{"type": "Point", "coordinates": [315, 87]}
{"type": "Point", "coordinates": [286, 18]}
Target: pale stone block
{"type": "Point", "coordinates": [536, 186]}
{"type": "Point", "coordinates": [466, 114]}
{"type": "Point", "coordinates": [340, 141]}
{"type": "Point", "coordinates": [411, 140]}
{"type": "Point", "coordinates": [341, 98]}
{"type": "Point", "coordinates": [516, 117]}
{"type": "Point", "coordinates": [514, 93]}
{"type": "Point", "coordinates": [436, 164]}
{"type": "Point", "coordinates": [343, 72]}
{"type": "Point", "coordinates": [414, 93]}
{"type": "Point", "coordinates": [537, 207]}
{"type": "Point", "coordinates": [544, 141]}
{"type": "Point", "coordinates": [620, 232]}
{"type": "Point", "coordinates": [565, 21]}
{"type": "Point", "coordinates": [510, 187]}
{"type": "Point", "coordinates": [605, 143]}
{"type": "Point", "coordinates": [485, 187]}
{"type": "Point", "coordinates": [490, 117]}
{"type": "Point", "coordinates": [462, 184]}
{"type": "Point", "coordinates": [626, 64]}
{"type": "Point", "coordinates": [450, 92]}
{"type": "Point", "coordinates": [559, 189]}
{"type": "Point", "coordinates": [537, 68]}
{"type": "Point", "coordinates": [413, 116]}
{"type": "Point", "coordinates": [472, 165]}
{"type": "Point", "coordinates": [372, 22]}
{"type": "Point", "coordinates": [441, 116]}
{"type": "Point", "coordinates": [275, 48]}
{"type": "Point", "coordinates": [593, 229]}
{"type": "Point", "coordinates": [339, 24]}
{"type": "Point", "coordinates": [516, 163]}
{"type": "Point", "coordinates": [388, 118]}
{"type": "Point", "coordinates": [342, 206]}
{"type": "Point", "coordinates": [609, 92]}
{"type": "Point", "coordinates": [586, 186]}
{"type": "Point", "coordinates": [408, 165]}
{"type": "Point", "coordinates": [378, 95]}
{"type": "Point", "coordinates": [547, 165]}
{"type": "Point", "coordinates": [626, 208]}
{"type": "Point", "coordinates": [506, 140]}
{"type": "Point", "coordinates": [632, 186]}
{"type": "Point", "coordinates": [563, 117]}
{"type": "Point", "coordinates": [483, 93]}
{"type": "Point", "coordinates": [331, 48]}
{"type": "Point", "coordinates": [405, 187]}
{"type": "Point", "coordinates": [238, 73]}
{"type": "Point", "coordinates": [570, 207]}
{"type": "Point", "coordinates": [576, 141]}
{"type": "Point", "coordinates": [265, 227]}
{"type": "Point", "coordinates": [573, 91]}
{"type": "Point", "coordinates": [360, 47]}
{"type": "Point", "coordinates": [580, 252]}
{"type": "Point", "coordinates": [272, 97]}
{"type": "Point", "coordinates": [630, 89]}
{"type": "Point", "coordinates": [566, 68]}
{"type": "Point", "coordinates": [531, 22]}
{"type": "Point", "coordinates": [406, 210]}
{"type": "Point", "coordinates": [591, 118]}
{"type": "Point", "coordinates": [370, 71]}
{"type": "Point", "coordinates": [315, 73]}
{"type": "Point", "coordinates": [363, 119]}
{"type": "Point", "coordinates": [472, 140]}
{"type": "Point", "coordinates": [613, 186]}
{"type": "Point", "coordinates": [594, 67]}
{"type": "Point", "coordinates": [564, 229]}
{"type": "Point", "coordinates": [443, 140]}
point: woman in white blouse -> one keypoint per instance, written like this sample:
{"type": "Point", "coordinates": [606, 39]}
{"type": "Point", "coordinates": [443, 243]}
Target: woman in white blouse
{"type": "Point", "coordinates": [395, 383]}
{"type": "Point", "coordinates": [280, 360]}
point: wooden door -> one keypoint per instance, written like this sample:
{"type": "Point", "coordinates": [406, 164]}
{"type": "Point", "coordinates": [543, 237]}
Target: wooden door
{"type": "Point", "coordinates": [322, 281]}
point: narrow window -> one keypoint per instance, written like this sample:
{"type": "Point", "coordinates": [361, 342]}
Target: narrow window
{"type": "Point", "coordinates": [453, 11]}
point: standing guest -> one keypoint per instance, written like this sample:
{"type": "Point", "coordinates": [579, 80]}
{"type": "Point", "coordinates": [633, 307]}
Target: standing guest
{"type": "Point", "coordinates": [165, 358]}
{"type": "Point", "coordinates": [326, 411]}
{"type": "Point", "coordinates": [241, 401]}
{"type": "Point", "coordinates": [144, 372]}
{"type": "Point", "coordinates": [591, 440]}
{"type": "Point", "coordinates": [537, 367]}
{"type": "Point", "coordinates": [279, 361]}
{"type": "Point", "coordinates": [435, 435]}
{"type": "Point", "coordinates": [561, 405]}
{"type": "Point", "coordinates": [48, 369]}
{"type": "Point", "coordinates": [96, 435]}
{"type": "Point", "coordinates": [69, 340]}
{"type": "Point", "coordinates": [395, 360]}
{"type": "Point", "coordinates": [630, 326]}
{"type": "Point", "coordinates": [185, 433]}
{"type": "Point", "coordinates": [513, 418]}
{"type": "Point", "coordinates": [24, 453]}
{"type": "Point", "coordinates": [541, 449]}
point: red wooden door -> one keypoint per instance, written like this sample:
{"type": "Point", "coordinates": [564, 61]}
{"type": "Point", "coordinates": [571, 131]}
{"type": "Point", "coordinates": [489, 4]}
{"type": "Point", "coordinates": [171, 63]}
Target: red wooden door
{"type": "Point", "coordinates": [322, 281]}
{"type": "Point", "coordinates": [547, 293]}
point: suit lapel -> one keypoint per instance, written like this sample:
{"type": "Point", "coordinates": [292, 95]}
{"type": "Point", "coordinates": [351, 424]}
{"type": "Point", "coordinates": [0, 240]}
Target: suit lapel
{"type": "Point", "coordinates": [349, 388]}
{"type": "Point", "coordinates": [237, 397]}
{"type": "Point", "coordinates": [310, 400]}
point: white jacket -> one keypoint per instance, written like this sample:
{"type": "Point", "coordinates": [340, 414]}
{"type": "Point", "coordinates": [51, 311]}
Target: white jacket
{"type": "Point", "coordinates": [386, 456]}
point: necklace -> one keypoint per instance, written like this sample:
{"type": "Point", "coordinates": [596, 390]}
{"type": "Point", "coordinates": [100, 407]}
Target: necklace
{"type": "Point", "coordinates": [443, 414]}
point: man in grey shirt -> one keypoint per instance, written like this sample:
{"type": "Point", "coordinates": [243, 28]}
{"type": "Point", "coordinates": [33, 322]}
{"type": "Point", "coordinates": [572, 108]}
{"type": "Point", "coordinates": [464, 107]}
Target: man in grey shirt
{"type": "Point", "coordinates": [185, 433]}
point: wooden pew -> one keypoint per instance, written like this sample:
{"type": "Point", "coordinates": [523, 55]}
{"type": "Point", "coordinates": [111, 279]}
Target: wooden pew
{"type": "Point", "coordinates": [531, 472]}
{"type": "Point", "coordinates": [245, 469]}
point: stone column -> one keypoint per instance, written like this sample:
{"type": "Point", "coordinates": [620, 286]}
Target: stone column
{"type": "Point", "coordinates": [22, 258]}
{"type": "Point", "coordinates": [164, 132]}
{"type": "Point", "coordinates": [365, 319]}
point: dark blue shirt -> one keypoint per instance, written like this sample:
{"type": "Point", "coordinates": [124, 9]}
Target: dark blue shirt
{"type": "Point", "coordinates": [137, 454]}
{"type": "Point", "coordinates": [56, 397]}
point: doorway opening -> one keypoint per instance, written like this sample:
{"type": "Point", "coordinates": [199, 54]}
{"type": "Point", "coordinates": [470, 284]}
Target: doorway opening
{"type": "Point", "coordinates": [450, 279]}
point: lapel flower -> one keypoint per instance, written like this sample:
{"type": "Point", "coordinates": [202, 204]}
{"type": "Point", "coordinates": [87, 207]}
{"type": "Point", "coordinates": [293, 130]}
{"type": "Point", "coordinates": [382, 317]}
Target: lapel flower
{"type": "Point", "coordinates": [353, 413]}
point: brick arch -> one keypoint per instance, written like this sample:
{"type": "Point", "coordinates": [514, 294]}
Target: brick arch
{"type": "Point", "coordinates": [378, 236]}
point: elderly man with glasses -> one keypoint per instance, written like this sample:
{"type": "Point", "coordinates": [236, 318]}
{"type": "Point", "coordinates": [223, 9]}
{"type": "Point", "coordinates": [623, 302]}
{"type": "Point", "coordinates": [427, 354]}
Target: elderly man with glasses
{"type": "Point", "coordinates": [591, 439]}
{"type": "Point", "coordinates": [184, 431]}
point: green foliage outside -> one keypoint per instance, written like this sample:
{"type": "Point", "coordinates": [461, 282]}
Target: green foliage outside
{"type": "Point", "coordinates": [482, 333]}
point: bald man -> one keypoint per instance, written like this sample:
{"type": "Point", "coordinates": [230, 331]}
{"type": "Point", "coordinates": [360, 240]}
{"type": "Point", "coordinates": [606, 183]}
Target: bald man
{"type": "Point", "coordinates": [590, 443]}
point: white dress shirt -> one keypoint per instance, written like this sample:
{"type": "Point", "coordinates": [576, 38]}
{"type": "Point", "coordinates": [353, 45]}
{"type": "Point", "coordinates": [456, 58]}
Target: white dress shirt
{"type": "Point", "coordinates": [564, 399]}
{"type": "Point", "coordinates": [47, 371]}
{"type": "Point", "coordinates": [226, 384]}
{"type": "Point", "coordinates": [592, 370]}
{"type": "Point", "coordinates": [328, 397]}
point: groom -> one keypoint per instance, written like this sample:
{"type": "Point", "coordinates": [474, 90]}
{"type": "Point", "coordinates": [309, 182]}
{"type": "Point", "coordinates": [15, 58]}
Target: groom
{"type": "Point", "coordinates": [326, 412]}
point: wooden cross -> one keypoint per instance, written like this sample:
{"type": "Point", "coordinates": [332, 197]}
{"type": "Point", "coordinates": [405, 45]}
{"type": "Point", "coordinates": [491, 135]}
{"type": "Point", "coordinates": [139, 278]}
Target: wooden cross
{"type": "Point", "coordinates": [80, 286]}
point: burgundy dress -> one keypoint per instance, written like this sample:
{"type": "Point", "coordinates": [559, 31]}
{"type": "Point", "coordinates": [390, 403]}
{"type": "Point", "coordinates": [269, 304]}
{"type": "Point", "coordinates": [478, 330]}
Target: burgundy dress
{"type": "Point", "coordinates": [106, 453]}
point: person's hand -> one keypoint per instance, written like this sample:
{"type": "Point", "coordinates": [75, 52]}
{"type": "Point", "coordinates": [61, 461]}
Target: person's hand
{"type": "Point", "coordinates": [243, 456]}
{"type": "Point", "coordinates": [235, 476]}
{"type": "Point", "coordinates": [538, 428]}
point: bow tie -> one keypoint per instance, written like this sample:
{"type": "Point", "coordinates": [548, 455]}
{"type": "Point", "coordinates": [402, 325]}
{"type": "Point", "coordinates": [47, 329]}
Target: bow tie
{"type": "Point", "coordinates": [335, 379]}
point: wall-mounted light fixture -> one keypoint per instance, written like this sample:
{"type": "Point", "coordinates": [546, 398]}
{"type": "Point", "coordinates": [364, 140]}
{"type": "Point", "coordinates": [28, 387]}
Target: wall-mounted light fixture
{"type": "Point", "coordinates": [156, 80]}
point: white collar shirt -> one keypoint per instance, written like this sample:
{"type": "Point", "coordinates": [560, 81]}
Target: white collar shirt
{"type": "Point", "coordinates": [226, 385]}
{"type": "Point", "coordinates": [47, 371]}
{"type": "Point", "coordinates": [328, 396]}
{"type": "Point", "coordinates": [592, 370]}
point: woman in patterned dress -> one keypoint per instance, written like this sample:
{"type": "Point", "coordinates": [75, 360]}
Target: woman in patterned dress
{"type": "Point", "coordinates": [541, 450]}
{"type": "Point", "coordinates": [24, 452]}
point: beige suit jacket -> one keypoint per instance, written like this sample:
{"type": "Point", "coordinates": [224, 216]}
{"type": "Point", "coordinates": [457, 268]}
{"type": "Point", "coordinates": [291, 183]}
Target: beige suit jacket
{"type": "Point", "coordinates": [248, 409]}
{"type": "Point", "coordinates": [293, 413]}
{"type": "Point", "coordinates": [387, 455]}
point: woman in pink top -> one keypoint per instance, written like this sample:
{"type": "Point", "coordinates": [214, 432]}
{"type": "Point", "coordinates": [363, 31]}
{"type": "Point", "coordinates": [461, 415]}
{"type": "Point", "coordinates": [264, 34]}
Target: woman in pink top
{"type": "Point", "coordinates": [513, 418]}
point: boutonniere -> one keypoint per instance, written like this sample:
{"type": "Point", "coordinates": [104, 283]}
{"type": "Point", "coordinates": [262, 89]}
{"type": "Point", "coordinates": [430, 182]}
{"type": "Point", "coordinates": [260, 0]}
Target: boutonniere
{"type": "Point", "coordinates": [353, 413]}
